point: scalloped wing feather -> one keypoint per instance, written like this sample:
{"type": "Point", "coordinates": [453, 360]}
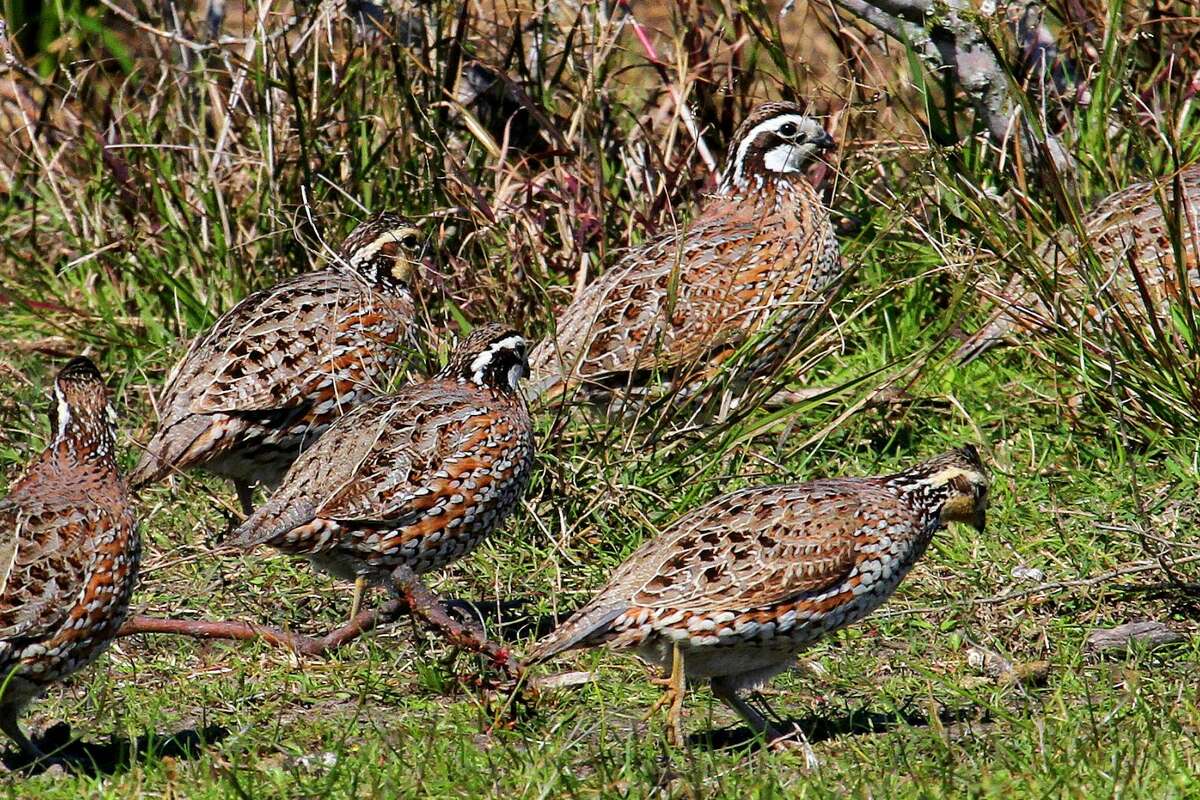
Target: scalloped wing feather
{"type": "Point", "coordinates": [45, 551]}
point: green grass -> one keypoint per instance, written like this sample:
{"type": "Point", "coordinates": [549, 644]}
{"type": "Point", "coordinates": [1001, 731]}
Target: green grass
{"type": "Point", "coordinates": [129, 269]}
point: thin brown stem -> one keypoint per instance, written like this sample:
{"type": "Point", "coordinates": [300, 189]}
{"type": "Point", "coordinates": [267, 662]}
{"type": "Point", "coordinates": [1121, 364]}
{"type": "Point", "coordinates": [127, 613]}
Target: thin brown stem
{"type": "Point", "coordinates": [248, 631]}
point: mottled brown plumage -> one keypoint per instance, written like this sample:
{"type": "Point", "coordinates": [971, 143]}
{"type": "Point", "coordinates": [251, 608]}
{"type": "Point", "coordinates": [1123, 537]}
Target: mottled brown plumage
{"type": "Point", "coordinates": [69, 552]}
{"type": "Point", "coordinates": [744, 583]}
{"type": "Point", "coordinates": [1131, 225]}
{"type": "Point", "coordinates": [274, 372]}
{"type": "Point", "coordinates": [762, 249]}
{"type": "Point", "coordinates": [412, 480]}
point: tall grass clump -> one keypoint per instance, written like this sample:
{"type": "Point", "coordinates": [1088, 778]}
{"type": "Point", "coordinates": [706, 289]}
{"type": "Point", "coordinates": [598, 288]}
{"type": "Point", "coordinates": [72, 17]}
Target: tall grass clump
{"type": "Point", "coordinates": [1124, 107]}
{"type": "Point", "coordinates": [151, 185]}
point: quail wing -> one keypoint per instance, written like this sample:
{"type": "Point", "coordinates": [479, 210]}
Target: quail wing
{"type": "Point", "coordinates": [623, 329]}
{"type": "Point", "coordinates": [256, 357]}
{"type": "Point", "coordinates": [751, 549]}
{"type": "Point", "coordinates": [375, 464]}
{"type": "Point", "coordinates": [46, 547]}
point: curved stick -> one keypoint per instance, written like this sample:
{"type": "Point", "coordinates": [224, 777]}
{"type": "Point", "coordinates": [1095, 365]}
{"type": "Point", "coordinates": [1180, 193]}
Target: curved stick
{"type": "Point", "coordinates": [248, 631]}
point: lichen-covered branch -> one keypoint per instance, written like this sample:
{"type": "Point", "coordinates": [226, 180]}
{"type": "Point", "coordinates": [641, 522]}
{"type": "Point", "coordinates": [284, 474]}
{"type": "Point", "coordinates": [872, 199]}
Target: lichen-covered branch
{"type": "Point", "coordinates": [947, 40]}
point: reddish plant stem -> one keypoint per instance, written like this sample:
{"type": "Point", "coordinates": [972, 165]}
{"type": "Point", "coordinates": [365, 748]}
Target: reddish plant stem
{"type": "Point", "coordinates": [685, 113]}
{"type": "Point", "coordinates": [248, 631]}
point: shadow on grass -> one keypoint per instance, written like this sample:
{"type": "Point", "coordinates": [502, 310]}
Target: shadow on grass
{"type": "Point", "coordinates": [508, 617]}
{"type": "Point", "coordinates": [115, 755]}
{"type": "Point", "coordinates": [819, 728]}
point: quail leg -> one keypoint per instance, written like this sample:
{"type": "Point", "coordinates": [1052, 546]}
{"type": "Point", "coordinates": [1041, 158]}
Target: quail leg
{"type": "Point", "coordinates": [727, 695]}
{"type": "Point", "coordinates": [672, 697]}
{"type": "Point", "coordinates": [32, 755]}
{"type": "Point", "coordinates": [360, 588]}
{"type": "Point", "coordinates": [675, 713]}
{"type": "Point", "coordinates": [245, 495]}
{"type": "Point", "coordinates": [8, 723]}
{"type": "Point", "coordinates": [424, 604]}
{"type": "Point", "coordinates": [776, 736]}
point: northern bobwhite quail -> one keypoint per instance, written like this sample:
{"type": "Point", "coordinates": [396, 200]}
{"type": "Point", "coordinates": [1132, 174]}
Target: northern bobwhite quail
{"type": "Point", "coordinates": [70, 550]}
{"type": "Point", "coordinates": [407, 483]}
{"type": "Point", "coordinates": [734, 590]}
{"type": "Point", "coordinates": [275, 371]}
{"type": "Point", "coordinates": [762, 249]}
{"type": "Point", "coordinates": [1129, 225]}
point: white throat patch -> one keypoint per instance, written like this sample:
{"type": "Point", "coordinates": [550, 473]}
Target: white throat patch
{"type": "Point", "coordinates": [773, 124]}
{"type": "Point", "coordinates": [515, 373]}
{"type": "Point", "coordinates": [786, 157]}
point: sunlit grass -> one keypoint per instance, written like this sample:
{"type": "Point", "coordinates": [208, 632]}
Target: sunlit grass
{"type": "Point", "coordinates": [222, 182]}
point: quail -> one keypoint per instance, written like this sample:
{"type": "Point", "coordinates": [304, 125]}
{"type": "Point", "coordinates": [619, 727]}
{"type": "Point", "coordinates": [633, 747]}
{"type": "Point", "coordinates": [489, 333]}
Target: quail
{"type": "Point", "coordinates": [408, 482]}
{"type": "Point", "coordinates": [762, 250]}
{"type": "Point", "coordinates": [275, 371]}
{"type": "Point", "coordinates": [70, 551]}
{"type": "Point", "coordinates": [1130, 225]}
{"type": "Point", "coordinates": [733, 590]}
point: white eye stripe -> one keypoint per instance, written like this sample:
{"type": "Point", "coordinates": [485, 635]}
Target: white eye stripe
{"type": "Point", "coordinates": [514, 343]}
{"type": "Point", "coordinates": [773, 124]}
{"type": "Point", "coordinates": [950, 473]}
{"type": "Point", "coordinates": [369, 250]}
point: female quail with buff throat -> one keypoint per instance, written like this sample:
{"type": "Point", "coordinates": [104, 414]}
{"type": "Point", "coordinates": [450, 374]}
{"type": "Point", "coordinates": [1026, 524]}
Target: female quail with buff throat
{"type": "Point", "coordinates": [734, 590]}
{"type": "Point", "coordinates": [275, 371]}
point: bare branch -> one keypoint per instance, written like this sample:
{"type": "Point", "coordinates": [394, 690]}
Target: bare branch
{"type": "Point", "coordinates": [891, 24]}
{"type": "Point", "coordinates": [946, 39]}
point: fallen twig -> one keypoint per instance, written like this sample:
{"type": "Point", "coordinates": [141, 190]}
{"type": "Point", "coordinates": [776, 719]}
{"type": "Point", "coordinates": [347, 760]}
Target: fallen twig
{"type": "Point", "coordinates": [249, 631]}
{"type": "Point", "coordinates": [1148, 634]}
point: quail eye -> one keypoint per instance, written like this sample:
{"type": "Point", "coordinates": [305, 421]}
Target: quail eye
{"type": "Point", "coordinates": [407, 238]}
{"type": "Point", "coordinates": [787, 130]}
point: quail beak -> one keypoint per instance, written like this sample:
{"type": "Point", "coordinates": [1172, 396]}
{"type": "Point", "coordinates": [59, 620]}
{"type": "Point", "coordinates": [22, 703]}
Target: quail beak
{"type": "Point", "coordinates": [980, 519]}
{"type": "Point", "coordinates": [824, 142]}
